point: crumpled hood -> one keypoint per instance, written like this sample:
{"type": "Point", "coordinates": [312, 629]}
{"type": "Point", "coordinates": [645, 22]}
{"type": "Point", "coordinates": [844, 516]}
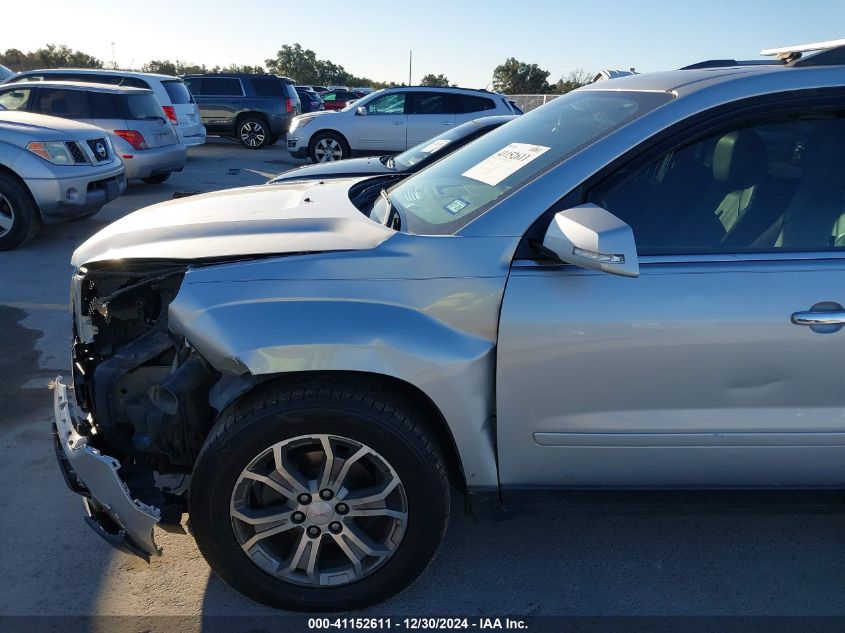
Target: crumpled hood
{"type": "Point", "coordinates": [293, 218]}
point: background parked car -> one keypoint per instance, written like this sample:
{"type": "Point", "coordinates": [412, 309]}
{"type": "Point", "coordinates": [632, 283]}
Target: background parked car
{"type": "Point", "coordinates": [311, 101]}
{"type": "Point", "coordinates": [401, 165]}
{"type": "Point", "coordinates": [172, 93]}
{"type": "Point", "coordinates": [253, 109]}
{"type": "Point", "coordinates": [339, 98]}
{"type": "Point", "coordinates": [390, 121]}
{"type": "Point", "coordinates": [52, 170]}
{"type": "Point", "coordinates": [145, 140]}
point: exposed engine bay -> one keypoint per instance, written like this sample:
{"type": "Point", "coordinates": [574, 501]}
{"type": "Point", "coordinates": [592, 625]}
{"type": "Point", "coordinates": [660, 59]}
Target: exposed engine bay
{"type": "Point", "coordinates": [145, 390]}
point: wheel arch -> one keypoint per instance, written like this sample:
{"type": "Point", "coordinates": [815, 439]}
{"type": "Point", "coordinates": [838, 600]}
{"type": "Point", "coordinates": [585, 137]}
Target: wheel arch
{"type": "Point", "coordinates": [316, 134]}
{"type": "Point", "coordinates": [8, 171]}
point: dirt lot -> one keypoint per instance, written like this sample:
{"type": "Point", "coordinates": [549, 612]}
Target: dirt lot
{"type": "Point", "coordinates": [548, 561]}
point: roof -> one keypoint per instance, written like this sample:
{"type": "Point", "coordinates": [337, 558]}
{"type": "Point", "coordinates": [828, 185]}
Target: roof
{"type": "Point", "coordinates": [81, 85]}
{"type": "Point", "coordinates": [103, 71]}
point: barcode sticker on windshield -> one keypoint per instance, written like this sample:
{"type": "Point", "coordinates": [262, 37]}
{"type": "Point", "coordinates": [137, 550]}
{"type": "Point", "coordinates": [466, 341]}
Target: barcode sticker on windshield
{"type": "Point", "coordinates": [508, 160]}
{"type": "Point", "coordinates": [435, 145]}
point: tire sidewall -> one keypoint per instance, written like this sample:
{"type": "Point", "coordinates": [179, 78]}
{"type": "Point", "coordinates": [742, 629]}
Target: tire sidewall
{"type": "Point", "coordinates": [216, 475]}
{"type": "Point", "coordinates": [26, 216]}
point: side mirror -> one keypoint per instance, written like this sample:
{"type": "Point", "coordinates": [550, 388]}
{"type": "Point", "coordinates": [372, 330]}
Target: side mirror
{"type": "Point", "coordinates": [361, 111]}
{"type": "Point", "coordinates": [590, 237]}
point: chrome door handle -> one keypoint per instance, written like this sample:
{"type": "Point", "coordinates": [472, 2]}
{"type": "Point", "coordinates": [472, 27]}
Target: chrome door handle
{"type": "Point", "coordinates": [446, 123]}
{"type": "Point", "coordinates": [819, 318]}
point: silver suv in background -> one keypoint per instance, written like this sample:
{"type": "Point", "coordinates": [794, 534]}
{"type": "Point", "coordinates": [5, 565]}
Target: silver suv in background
{"type": "Point", "coordinates": [172, 93]}
{"type": "Point", "coordinates": [146, 141]}
{"type": "Point", "coordinates": [52, 170]}
{"type": "Point", "coordinates": [389, 121]}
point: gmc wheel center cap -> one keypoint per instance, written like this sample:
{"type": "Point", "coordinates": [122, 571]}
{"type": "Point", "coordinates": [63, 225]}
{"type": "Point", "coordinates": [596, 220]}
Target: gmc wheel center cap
{"type": "Point", "coordinates": [320, 513]}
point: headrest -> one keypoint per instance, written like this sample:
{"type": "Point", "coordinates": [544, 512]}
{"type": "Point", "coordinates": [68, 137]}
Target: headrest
{"type": "Point", "coordinates": [739, 158]}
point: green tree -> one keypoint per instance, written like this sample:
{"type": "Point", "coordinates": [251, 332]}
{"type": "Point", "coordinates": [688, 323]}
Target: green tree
{"type": "Point", "coordinates": [178, 67]}
{"type": "Point", "coordinates": [516, 77]}
{"type": "Point", "coordinates": [50, 56]}
{"type": "Point", "coordinates": [298, 63]}
{"type": "Point", "coordinates": [575, 79]}
{"type": "Point", "coordinates": [237, 68]}
{"type": "Point", "coordinates": [434, 80]}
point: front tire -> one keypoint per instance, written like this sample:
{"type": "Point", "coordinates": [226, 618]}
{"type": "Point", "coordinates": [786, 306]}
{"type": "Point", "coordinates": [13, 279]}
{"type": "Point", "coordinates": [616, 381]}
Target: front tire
{"type": "Point", "coordinates": [19, 216]}
{"type": "Point", "coordinates": [327, 147]}
{"type": "Point", "coordinates": [319, 495]}
{"type": "Point", "coordinates": [253, 132]}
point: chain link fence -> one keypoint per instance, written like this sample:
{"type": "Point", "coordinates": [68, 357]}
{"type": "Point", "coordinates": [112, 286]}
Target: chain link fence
{"type": "Point", "coordinates": [529, 102]}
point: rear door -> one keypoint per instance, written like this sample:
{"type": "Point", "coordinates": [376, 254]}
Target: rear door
{"type": "Point", "coordinates": [430, 113]}
{"type": "Point", "coordinates": [722, 364]}
{"type": "Point", "coordinates": [144, 113]}
{"type": "Point", "coordinates": [220, 99]}
{"type": "Point", "coordinates": [473, 107]}
{"type": "Point", "coordinates": [383, 127]}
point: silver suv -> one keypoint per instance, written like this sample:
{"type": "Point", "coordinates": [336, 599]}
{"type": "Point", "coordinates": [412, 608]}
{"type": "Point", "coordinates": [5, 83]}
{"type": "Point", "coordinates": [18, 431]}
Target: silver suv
{"type": "Point", "coordinates": [637, 285]}
{"type": "Point", "coordinates": [52, 170]}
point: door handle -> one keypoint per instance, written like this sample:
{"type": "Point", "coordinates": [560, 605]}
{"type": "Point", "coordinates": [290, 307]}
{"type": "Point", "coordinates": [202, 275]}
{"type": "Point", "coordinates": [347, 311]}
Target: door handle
{"type": "Point", "coordinates": [398, 123]}
{"type": "Point", "coordinates": [819, 318]}
{"type": "Point", "coordinates": [446, 123]}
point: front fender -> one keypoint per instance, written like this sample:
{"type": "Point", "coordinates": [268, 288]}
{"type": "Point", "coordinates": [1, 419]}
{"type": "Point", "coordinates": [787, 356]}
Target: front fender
{"type": "Point", "coordinates": [435, 334]}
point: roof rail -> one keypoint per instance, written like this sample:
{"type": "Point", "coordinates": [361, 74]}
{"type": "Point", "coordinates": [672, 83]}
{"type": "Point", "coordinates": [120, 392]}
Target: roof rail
{"type": "Point", "coordinates": [726, 63]}
{"type": "Point", "coordinates": [791, 53]}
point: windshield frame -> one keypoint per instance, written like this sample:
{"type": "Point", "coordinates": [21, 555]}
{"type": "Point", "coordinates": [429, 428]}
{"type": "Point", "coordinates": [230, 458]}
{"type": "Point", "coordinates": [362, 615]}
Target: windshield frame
{"type": "Point", "coordinates": [471, 155]}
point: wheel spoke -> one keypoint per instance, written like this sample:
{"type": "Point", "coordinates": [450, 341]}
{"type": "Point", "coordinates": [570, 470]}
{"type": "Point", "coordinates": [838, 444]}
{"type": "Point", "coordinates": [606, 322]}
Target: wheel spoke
{"type": "Point", "coordinates": [350, 554]}
{"type": "Point", "coordinates": [261, 516]}
{"type": "Point", "coordinates": [328, 463]}
{"type": "Point", "coordinates": [258, 536]}
{"type": "Point", "coordinates": [301, 546]}
{"type": "Point", "coordinates": [357, 502]}
{"type": "Point", "coordinates": [337, 484]}
{"type": "Point", "coordinates": [363, 543]}
{"type": "Point", "coordinates": [270, 483]}
{"type": "Point", "coordinates": [311, 563]}
{"type": "Point", "coordinates": [283, 470]}
{"type": "Point", "coordinates": [5, 222]}
{"type": "Point", "coordinates": [379, 512]}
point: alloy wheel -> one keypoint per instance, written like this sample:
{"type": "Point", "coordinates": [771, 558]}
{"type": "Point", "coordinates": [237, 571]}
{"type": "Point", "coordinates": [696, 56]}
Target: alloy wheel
{"type": "Point", "coordinates": [7, 215]}
{"type": "Point", "coordinates": [327, 150]}
{"type": "Point", "coordinates": [253, 134]}
{"type": "Point", "coordinates": [319, 510]}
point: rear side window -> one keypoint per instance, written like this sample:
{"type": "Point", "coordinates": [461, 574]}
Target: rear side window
{"type": "Point", "coordinates": [432, 103]}
{"type": "Point", "coordinates": [68, 104]}
{"type": "Point", "coordinates": [470, 103]}
{"type": "Point", "coordinates": [106, 105]}
{"type": "Point", "coordinates": [267, 87]}
{"type": "Point", "coordinates": [178, 92]}
{"type": "Point", "coordinates": [144, 106]}
{"type": "Point", "coordinates": [219, 87]}
{"type": "Point", "coordinates": [15, 99]}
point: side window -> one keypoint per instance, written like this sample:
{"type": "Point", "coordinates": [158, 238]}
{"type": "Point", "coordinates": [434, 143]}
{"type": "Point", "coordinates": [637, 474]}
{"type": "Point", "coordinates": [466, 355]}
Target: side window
{"type": "Point", "coordinates": [387, 104]}
{"type": "Point", "coordinates": [470, 103]}
{"type": "Point", "coordinates": [771, 184]}
{"type": "Point", "coordinates": [194, 85]}
{"type": "Point", "coordinates": [329, 96]}
{"type": "Point", "coordinates": [221, 87]}
{"type": "Point", "coordinates": [432, 103]}
{"type": "Point", "coordinates": [16, 99]}
{"type": "Point", "coordinates": [69, 104]}
{"type": "Point", "coordinates": [269, 86]}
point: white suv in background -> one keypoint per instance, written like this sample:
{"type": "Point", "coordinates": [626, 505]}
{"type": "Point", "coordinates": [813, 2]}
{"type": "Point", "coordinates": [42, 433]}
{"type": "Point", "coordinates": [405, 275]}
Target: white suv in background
{"type": "Point", "coordinates": [172, 93]}
{"type": "Point", "coordinates": [389, 121]}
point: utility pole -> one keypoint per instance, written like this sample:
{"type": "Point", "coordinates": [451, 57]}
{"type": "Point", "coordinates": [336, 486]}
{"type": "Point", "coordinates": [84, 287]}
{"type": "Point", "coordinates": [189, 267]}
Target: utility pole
{"type": "Point", "coordinates": [410, 65]}
{"type": "Point", "coordinates": [113, 57]}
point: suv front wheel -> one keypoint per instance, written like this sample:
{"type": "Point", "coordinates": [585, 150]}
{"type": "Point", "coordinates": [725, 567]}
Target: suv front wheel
{"type": "Point", "coordinates": [19, 217]}
{"type": "Point", "coordinates": [253, 133]}
{"type": "Point", "coordinates": [319, 495]}
{"type": "Point", "coordinates": [326, 147]}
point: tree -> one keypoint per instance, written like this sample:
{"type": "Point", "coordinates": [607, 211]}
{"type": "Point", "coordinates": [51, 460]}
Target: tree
{"type": "Point", "coordinates": [179, 67]}
{"type": "Point", "coordinates": [237, 68]}
{"type": "Point", "coordinates": [434, 80]}
{"type": "Point", "coordinates": [516, 77]}
{"type": "Point", "coordinates": [50, 56]}
{"type": "Point", "coordinates": [302, 65]}
{"type": "Point", "coordinates": [575, 79]}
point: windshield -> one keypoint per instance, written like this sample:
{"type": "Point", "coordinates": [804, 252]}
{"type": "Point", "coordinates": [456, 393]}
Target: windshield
{"type": "Point", "coordinates": [446, 196]}
{"type": "Point", "coordinates": [438, 146]}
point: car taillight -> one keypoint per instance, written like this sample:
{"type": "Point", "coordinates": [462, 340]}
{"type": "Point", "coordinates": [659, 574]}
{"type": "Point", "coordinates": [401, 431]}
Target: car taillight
{"type": "Point", "coordinates": [170, 111]}
{"type": "Point", "coordinates": [133, 137]}
{"type": "Point", "coordinates": [288, 105]}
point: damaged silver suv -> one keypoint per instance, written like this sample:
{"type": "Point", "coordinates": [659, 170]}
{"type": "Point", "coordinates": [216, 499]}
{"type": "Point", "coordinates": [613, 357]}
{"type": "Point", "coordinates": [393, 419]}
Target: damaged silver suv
{"type": "Point", "coordinates": [637, 285]}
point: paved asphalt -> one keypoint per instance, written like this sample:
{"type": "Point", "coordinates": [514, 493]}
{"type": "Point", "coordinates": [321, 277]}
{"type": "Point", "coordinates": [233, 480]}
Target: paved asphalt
{"type": "Point", "coordinates": [551, 560]}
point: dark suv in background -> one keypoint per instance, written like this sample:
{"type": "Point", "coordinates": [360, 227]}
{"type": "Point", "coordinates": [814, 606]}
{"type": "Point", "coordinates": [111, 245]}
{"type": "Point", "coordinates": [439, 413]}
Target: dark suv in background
{"type": "Point", "coordinates": [253, 109]}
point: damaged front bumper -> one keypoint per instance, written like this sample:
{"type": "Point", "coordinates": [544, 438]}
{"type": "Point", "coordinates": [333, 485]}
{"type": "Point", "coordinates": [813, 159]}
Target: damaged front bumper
{"type": "Point", "coordinates": [124, 522]}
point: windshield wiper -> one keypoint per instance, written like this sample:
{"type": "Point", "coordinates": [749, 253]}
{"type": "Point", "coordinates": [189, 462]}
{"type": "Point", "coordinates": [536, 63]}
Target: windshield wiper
{"type": "Point", "coordinates": [391, 213]}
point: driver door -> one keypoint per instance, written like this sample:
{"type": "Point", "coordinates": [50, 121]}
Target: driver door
{"type": "Point", "coordinates": [382, 126]}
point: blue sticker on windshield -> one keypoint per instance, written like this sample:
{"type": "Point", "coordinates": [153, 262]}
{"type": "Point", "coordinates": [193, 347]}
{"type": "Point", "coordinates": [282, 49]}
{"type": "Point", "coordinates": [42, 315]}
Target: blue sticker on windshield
{"type": "Point", "coordinates": [456, 206]}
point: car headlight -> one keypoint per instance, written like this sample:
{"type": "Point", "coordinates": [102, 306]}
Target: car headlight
{"type": "Point", "coordinates": [55, 152]}
{"type": "Point", "coordinates": [300, 122]}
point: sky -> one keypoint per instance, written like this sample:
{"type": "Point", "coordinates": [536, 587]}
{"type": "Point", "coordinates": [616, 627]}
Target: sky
{"type": "Point", "coordinates": [463, 39]}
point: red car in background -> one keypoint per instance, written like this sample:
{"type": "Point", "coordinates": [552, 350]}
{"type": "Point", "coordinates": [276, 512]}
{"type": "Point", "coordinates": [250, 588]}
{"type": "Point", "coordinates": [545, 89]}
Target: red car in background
{"type": "Point", "coordinates": [338, 99]}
